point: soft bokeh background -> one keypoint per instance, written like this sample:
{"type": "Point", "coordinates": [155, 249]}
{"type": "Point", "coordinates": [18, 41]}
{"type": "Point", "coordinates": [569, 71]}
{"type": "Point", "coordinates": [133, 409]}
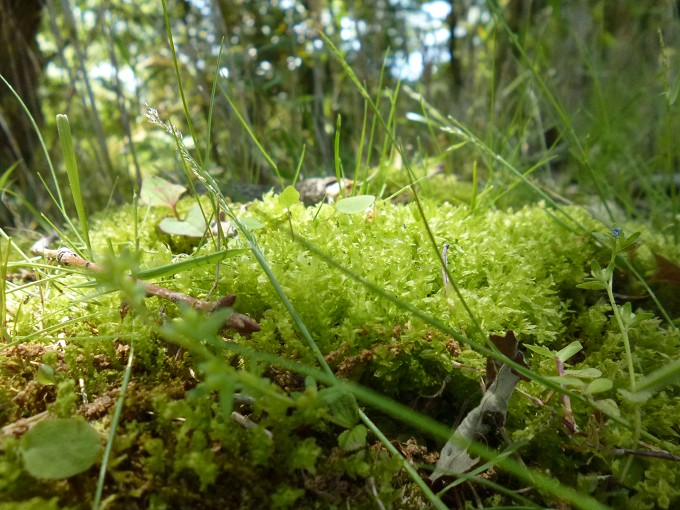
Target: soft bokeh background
{"type": "Point", "coordinates": [606, 69]}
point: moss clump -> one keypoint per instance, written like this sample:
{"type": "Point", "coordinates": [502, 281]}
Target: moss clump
{"type": "Point", "coordinates": [287, 446]}
{"type": "Point", "coordinates": [515, 270]}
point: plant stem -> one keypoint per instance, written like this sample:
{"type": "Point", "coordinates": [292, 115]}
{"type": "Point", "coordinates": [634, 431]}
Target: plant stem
{"type": "Point", "coordinates": [624, 332]}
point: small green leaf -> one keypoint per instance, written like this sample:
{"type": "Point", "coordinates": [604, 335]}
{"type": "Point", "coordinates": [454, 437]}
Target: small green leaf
{"type": "Point", "coordinates": [672, 92]}
{"type": "Point", "coordinates": [566, 381]}
{"type": "Point", "coordinates": [352, 439]}
{"type": "Point", "coordinates": [643, 316]}
{"type": "Point", "coordinates": [342, 406]}
{"type": "Point", "coordinates": [654, 382]}
{"type": "Point", "coordinates": [157, 191]}
{"type": "Point", "coordinates": [45, 375]}
{"type": "Point", "coordinates": [608, 272]}
{"type": "Point", "coordinates": [627, 315]}
{"type": "Point", "coordinates": [592, 285]}
{"type": "Point", "coordinates": [599, 386]}
{"type": "Point", "coordinates": [584, 373]}
{"type": "Point", "coordinates": [288, 197]}
{"type": "Point", "coordinates": [540, 350]}
{"type": "Point", "coordinates": [605, 239]}
{"type": "Point", "coordinates": [192, 226]}
{"type": "Point", "coordinates": [60, 448]}
{"type": "Point", "coordinates": [595, 268]}
{"type": "Point", "coordinates": [252, 223]}
{"type": "Point", "coordinates": [569, 350]}
{"type": "Point", "coordinates": [661, 378]}
{"type": "Point", "coordinates": [608, 406]}
{"type": "Point", "coordinates": [629, 241]}
{"type": "Point", "coordinates": [638, 397]}
{"type": "Point", "coordinates": [4, 179]}
{"type": "Point", "coordinates": [354, 205]}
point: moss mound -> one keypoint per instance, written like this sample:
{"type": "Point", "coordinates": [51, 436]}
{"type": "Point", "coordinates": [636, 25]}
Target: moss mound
{"type": "Point", "coordinates": [232, 431]}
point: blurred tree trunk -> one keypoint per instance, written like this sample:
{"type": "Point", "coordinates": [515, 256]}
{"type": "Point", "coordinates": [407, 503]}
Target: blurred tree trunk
{"type": "Point", "coordinates": [21, 66]}
{"type": "Point", "coordinates": [455, 61]}
{"type": "Point", "coordinates": [519, 16]}
{"type": "Point", "coordinates": [317, 89]}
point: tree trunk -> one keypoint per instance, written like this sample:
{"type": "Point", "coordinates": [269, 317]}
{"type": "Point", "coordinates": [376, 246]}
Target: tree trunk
{"type": "Point", "coordinates": [456, 72]}
{"type": "Point", "coordinates": [21, 66]}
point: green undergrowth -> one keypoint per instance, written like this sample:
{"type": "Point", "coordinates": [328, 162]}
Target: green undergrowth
{"type": "Point", "coordinates": [293, 442]}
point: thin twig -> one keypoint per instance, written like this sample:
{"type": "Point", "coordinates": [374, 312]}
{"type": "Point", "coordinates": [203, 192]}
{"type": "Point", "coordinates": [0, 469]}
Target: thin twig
{"type": "Point", "coordinates": [237, 321]}
{"type": "Point", "coordinates": [645, 453]}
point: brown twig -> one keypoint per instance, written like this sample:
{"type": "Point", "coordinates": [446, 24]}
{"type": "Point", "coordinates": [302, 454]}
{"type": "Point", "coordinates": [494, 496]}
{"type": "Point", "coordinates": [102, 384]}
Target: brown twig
{"type": "Point", "coordinates": [237, 321]}
{"type": "Point", "coordinates": [645, 453]}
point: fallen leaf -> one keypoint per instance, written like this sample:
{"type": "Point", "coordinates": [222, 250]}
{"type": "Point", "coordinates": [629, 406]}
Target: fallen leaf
{"type": "Point", "coordinates": [667, 271]}
{"type": "Point", "coordinates": [508, 346]}
{"type": "Point", "coordinates": [454, 457]}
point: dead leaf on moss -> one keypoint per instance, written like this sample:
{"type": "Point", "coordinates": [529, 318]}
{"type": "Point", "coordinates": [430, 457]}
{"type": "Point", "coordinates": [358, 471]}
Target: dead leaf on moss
{"type": "Point", "coordinates": [501, 381]}
{"type": "Point", "coordinates": [667, 271]}
{"type": "Point", "coordinates": [508, 346]}
{"type": "Point", "coordinates": [454, 457]}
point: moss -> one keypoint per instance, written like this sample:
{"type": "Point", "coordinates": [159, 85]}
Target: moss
{"type": "Point", "coordinates": [178, 444]}
{"type": "Point", "coordinates": [36, 503]}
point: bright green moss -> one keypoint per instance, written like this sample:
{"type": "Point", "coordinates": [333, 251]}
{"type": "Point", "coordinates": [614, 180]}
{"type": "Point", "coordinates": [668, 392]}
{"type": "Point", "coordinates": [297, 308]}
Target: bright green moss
{"type": "Point", "coordinates": [35, 504]}
{"type": "Point", "coordinates": [515, 270]}
{"type": "Point", "coordinates": [66, 401]}
{"type": "Point", "coordinates": [285, 497]}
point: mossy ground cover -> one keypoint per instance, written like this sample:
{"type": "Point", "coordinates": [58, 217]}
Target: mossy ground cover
{"type": "Point", "coordinates": [211, 420]}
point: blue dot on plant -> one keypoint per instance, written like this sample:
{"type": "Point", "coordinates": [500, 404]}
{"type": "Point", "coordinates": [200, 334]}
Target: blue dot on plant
{"type": "Point", "coordinates": [616, 231]}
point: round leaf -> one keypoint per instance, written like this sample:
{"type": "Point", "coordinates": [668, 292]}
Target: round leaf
{"type": "Point", "coordinates": [60, 448]}
{"type": "Point", "coordinates": [289, 197]}
{"type": "Point", "coordinates": [192, 226]}
{"type": "Point", "coordinates": [157, 191]}
{"type": "Point", "coordinates": [354, 205]}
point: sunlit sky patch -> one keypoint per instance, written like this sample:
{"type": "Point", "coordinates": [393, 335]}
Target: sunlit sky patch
{"type": "Point", "coordinates": [427, 34]}
{"type": "Point", "coordinates": [431, 20]}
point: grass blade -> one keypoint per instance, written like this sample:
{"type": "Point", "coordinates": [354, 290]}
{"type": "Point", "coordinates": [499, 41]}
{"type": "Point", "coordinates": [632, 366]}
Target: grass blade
{"type": "Point", "coordinates": [69, 154]}
{"type": "Point", "coordinates": [112, 432]}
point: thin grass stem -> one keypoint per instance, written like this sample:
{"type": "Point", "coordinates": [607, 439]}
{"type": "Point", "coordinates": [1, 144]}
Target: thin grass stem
{"type": "Point", "coordinates": [112, 430]}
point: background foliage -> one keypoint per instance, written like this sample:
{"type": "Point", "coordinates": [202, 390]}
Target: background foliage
{"type": "Point", "coordinates": [610, 69]}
